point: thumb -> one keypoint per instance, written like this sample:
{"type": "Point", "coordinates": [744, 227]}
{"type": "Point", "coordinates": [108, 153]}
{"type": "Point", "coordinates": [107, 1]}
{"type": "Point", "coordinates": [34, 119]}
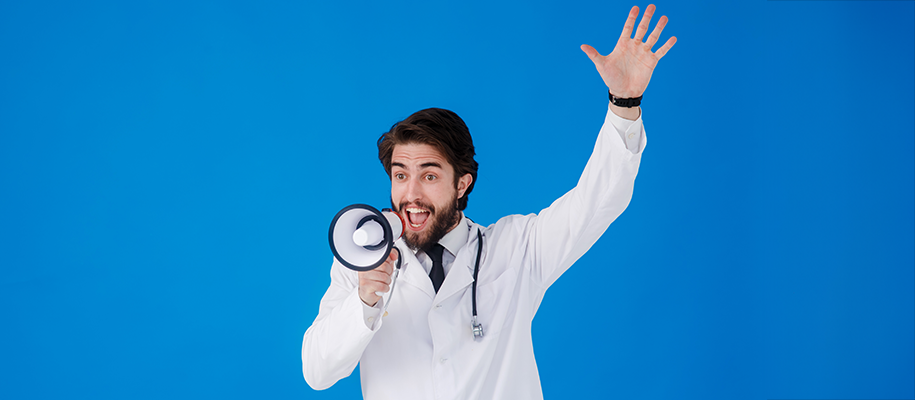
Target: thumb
{"type": "Point", "coordinates": [591, 52]}
{"type": "Point", "coordinates": [392, 261]}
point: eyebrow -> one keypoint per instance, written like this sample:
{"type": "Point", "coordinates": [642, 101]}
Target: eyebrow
{"type": "Point", "coordinates": [421, 166]}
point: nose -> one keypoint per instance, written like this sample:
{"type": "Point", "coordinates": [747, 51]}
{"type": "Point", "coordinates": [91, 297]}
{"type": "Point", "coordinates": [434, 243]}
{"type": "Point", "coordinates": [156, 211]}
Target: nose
{"type": "Point", "coordinates": [413, 191]}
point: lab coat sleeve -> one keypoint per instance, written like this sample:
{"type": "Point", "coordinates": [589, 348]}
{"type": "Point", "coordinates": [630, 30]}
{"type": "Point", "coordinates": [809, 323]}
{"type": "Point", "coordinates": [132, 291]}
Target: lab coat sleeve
{"type": "Point", "coordinates": [334, 343]}
{"type": "Point", "coordinates": [563, 232]}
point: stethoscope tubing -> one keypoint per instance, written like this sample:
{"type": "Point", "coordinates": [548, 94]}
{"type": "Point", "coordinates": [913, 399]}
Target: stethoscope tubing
{"type": "Point", "coordinates": [393, 280]}
{"type": "Point", "coordinates": [476, 327]}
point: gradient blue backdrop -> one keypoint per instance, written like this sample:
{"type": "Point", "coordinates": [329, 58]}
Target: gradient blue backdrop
{"type": "Point", "coordinates": [168, 171]}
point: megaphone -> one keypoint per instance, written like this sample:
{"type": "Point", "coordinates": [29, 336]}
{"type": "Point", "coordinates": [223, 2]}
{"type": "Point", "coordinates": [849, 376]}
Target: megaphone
{"type": "Point", "coordinates": [361, 237]}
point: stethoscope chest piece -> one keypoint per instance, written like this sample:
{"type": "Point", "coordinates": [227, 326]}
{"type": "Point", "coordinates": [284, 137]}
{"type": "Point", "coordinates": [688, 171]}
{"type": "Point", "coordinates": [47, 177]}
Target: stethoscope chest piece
{"type": "Point", "coordinates": [477, 329]}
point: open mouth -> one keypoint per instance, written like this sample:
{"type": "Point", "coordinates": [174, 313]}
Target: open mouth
{"type": "Point", "coordinates": [417, 218]}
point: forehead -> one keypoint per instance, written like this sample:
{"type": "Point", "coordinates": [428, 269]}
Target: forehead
{"type": "Point", "coordinates": [414, 155]}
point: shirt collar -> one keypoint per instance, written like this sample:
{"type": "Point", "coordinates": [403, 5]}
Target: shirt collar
{"type": "Point", "coordinates": [454, 240]}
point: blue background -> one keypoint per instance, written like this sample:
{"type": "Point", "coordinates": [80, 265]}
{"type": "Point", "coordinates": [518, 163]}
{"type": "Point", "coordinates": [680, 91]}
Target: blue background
{"type": "Point", "coordinates": [168, 171]}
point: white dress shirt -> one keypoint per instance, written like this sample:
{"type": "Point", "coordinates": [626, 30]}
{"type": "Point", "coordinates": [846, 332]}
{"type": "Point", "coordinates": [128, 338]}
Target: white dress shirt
{"type": "Point", "coordinates": [453, 241]}
{"type": "Point", "coordinates": [424, 348]}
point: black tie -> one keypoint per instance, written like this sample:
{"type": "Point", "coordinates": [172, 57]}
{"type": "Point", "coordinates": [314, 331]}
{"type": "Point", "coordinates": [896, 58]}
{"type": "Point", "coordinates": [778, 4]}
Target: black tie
{"type": "Point", "coordinates": [438, 271]}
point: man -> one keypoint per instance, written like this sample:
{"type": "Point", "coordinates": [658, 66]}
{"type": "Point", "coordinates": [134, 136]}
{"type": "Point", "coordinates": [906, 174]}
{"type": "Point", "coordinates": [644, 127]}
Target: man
{"type": "Point", "coordinates": [424, 346]}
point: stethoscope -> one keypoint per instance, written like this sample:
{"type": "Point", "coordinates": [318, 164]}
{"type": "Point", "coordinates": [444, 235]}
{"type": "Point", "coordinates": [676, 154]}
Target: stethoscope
{"type": "Point", "coordinates": [475, 325]}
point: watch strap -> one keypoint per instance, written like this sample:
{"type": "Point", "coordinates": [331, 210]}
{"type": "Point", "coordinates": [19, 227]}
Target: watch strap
{"type": "Point", "coordinates": [628, 103]}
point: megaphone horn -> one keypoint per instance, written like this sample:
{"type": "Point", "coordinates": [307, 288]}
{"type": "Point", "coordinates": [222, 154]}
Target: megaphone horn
{"type": "Point", "coordinates": [361, 237]}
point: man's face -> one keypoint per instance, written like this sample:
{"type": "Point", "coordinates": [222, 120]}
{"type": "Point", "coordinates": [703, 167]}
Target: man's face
{"type": "Point", "coordinates": [423, 192]}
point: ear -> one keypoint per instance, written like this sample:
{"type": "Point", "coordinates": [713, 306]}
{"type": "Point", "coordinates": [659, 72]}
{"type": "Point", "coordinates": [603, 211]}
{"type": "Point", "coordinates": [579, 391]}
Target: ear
{"type": "Point", "coordinates": [463, 184]}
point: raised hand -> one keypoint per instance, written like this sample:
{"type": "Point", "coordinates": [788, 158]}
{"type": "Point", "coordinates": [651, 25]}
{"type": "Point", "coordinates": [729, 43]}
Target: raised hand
{"type": "Point", "coordinates": [627, 70]}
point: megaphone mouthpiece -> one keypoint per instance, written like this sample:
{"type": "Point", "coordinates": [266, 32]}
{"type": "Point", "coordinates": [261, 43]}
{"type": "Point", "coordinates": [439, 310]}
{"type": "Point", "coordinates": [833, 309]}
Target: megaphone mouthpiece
{"type": "Point", "coordinates": [369, 234]}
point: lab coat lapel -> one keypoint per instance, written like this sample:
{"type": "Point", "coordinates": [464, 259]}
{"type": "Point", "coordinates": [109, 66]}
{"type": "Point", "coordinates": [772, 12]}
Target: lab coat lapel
{"type": "Point", "coordinates": [461, 274]}
{"type": "Point", "coordinates": [412, 271]}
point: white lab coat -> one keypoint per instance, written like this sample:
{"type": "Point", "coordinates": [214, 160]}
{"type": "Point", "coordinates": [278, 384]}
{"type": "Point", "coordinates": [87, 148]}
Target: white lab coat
{"type": "Point", "coordinates": [424, 347]}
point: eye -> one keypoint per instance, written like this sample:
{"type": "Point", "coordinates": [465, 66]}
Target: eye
{"type": "Point", "coordinates": [431, 177]}
{"type": "Point", "coordinates": [400, 176]}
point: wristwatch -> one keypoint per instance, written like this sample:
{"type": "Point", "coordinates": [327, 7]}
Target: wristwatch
{"type": "Point", "coordinates": [628, 103]}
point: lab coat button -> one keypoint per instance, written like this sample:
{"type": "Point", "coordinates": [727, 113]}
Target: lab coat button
{"type": "Point", "coordinates": [443, 360]}
{"type": "Point", "coordinates": [371, 319]}
{"type": "Point", "coordinates": [438, 306]}
{"type": "Point", "coordinates": [631, 135]}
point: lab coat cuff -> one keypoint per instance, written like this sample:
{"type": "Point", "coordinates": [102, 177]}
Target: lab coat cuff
{"type": "Point", "coordinates": [370, 314]}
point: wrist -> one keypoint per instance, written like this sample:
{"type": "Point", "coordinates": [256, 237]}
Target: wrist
{"type": "Point", "coordinates": [629, 113]}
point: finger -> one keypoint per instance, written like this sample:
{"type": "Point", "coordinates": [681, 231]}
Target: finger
{"type": "Point", "coordinates": [388, 266]}
{"type": "Point", "coordinates": [643, 25]}
{"type": "Point", "coordinates": [378, 289]}
{"type": "Point", "coordinates": [369, 296]}
{"type": "Point", "coordinates": [656, 33]}
{"type": "Point", "coordinates": [377, 276]}
{"type": "Point", "coordinates": [374, 286]}
{"type": "Point", "coordinates": [630, 22]}
{"type": "Point", "coordinates": [379, 292]}
{"type": "Point", "coordinates": [663, 50]}
{"type": "Point", "coordinates": [591, 52]}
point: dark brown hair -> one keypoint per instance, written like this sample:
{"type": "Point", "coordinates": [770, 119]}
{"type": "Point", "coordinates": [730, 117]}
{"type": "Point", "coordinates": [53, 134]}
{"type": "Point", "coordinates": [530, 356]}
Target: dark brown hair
{"type": "Point", "coordinates": [439, 128]}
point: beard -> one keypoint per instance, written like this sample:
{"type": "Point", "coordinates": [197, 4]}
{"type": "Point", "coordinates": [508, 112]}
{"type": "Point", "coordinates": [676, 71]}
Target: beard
{"type": "Point", "coordinates": [440, 224]}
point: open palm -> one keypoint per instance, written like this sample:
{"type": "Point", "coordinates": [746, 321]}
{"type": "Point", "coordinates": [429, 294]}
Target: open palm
{"type": "Point", "coordinates": [627, 69]}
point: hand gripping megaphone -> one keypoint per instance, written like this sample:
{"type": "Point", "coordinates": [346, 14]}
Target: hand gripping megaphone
{"type": "Point", "coordinates": [361, 237]}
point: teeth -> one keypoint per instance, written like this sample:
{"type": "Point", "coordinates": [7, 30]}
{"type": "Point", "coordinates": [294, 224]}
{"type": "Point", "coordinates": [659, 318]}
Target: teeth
{"type": "Point", "coordinates": [414, 210]}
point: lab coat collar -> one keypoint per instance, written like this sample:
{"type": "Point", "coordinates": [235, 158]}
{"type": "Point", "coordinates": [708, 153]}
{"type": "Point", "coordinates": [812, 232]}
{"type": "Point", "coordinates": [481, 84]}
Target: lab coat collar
{"type": "Point", "coordinates": [455, 240]}
{"type": "Point", "coordinates": [458, 278]}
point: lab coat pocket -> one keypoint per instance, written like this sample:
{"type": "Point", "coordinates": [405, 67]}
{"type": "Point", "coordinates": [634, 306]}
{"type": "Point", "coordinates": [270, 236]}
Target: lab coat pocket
{"type": "Point", "coordinates": [497, 303]}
